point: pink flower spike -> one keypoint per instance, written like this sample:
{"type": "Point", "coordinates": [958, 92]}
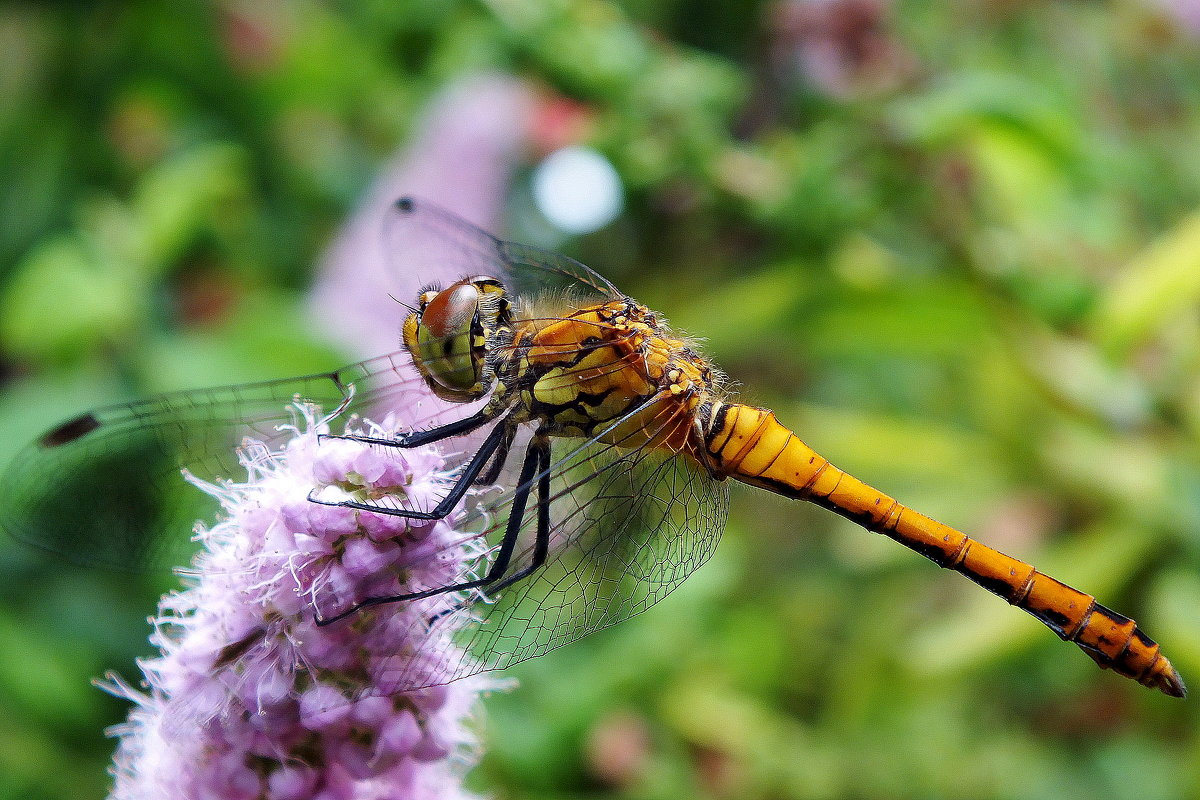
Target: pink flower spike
{"type": "Point", "coordinates": [251, 698]}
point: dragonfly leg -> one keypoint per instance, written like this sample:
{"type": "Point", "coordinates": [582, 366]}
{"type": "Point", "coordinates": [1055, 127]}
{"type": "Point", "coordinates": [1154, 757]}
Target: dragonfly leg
{"type": "Point", "coordinates": [541, 543]}
{"type": "Point", "coordinates": [493, 472]}
{"type": "Point", "coordinates": [447, 503]}
{"type": "Point", "coordinates": [418, 438]}
{"type": "Point", "coordinates": [533, 459]}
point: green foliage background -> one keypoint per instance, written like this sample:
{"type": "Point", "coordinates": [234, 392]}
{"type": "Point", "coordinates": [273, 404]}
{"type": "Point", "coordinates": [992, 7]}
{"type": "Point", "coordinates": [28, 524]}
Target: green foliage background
{"type": "Point", "coordinates": [972, 277]}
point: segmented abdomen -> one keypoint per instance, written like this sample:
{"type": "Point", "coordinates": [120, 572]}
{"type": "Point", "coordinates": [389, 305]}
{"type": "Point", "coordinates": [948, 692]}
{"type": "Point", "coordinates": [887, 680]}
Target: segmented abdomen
{"type": "Point", "coordinates": [749, 444]}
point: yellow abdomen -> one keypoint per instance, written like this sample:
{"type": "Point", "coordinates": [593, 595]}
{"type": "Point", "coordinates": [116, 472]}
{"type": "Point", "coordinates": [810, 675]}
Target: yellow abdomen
{"type": "Point", "coordinates": [750, 445]}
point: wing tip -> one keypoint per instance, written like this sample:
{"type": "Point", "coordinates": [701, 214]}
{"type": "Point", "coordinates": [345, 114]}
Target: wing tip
{"type": "Point", "coordinates": [69, 431]}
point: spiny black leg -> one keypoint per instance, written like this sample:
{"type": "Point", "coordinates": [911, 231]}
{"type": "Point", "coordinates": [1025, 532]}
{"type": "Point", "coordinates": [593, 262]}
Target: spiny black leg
{"type": "Point", "coordinates": [418, 438]}
{"type": "Point", "coordinates": [493, 473]}
{"type": "Point", "coordinates": [447, 503]}
{"type": "Point", "coordinates": [541, 544]}
{"type": "Point", "coordinates": [508, 544]}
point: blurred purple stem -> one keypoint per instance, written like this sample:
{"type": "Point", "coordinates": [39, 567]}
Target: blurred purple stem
{"type": "Point", "coordinates": [461, 157]}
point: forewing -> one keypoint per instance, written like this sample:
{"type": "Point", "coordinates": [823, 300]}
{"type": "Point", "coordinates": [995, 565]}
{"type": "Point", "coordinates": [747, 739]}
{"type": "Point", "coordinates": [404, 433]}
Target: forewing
{"type": "Point", "coordinates": [425, 240]}
{"type": "Point", "coordinates": [105, 488]}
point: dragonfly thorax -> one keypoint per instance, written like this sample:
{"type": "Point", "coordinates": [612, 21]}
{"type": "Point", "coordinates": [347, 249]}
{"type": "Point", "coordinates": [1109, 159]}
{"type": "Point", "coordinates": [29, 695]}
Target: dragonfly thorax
{"type": "Point", "coordinates": [590, 372]}
{"type": "Point", "coordinates": [449, 335]}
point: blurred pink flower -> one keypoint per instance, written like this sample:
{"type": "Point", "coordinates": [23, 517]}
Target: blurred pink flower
{"type": "Point", "coordinates": [1186, 12]}
{"type": "Point", "coordinates": [250, 698]}
{"type": "Point", "coordinates": [842, 47]}
{"type": "Point", "coordinates": [461, 158]}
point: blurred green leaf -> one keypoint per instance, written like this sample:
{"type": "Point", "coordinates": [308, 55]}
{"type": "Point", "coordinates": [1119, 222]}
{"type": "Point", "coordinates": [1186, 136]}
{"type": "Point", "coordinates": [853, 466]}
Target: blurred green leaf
{"type": "Point", "coordinates": [50, 689]}
{"type": "Point", "coordinates": [64, 299]}
{"type": "Point", "coordinates": [1159, 283]}
{"type": "Point", "coordinates": [179, 198]}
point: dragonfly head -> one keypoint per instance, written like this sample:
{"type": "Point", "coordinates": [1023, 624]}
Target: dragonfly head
{"type": "Point", "coordinates": [449, 334]}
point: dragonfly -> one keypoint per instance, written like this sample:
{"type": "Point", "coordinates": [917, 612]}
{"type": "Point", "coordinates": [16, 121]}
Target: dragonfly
{"type": "Point", "coordinates": [614, 439]}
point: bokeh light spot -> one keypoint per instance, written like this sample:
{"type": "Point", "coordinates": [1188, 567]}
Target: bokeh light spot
{"type": "Point", "coordinates": [577, 190]}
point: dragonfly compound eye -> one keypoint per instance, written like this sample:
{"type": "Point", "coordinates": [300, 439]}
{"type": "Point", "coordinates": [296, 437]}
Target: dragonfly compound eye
{"type": "Point", "coordinates": [444, 349]}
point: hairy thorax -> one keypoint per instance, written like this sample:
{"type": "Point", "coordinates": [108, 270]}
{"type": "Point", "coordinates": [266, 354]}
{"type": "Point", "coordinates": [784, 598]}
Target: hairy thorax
{"type": "Point", "coordinates": [580, 374]}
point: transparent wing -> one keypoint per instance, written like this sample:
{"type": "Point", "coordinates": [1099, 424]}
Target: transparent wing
{"type": "Point", "coordinates": [426, 242]}
{"type": "Point", "coordinates": [105, 488]}
{"type": "Point", "coordinates": [628, 525]}
{"type": "Point", "coordinates": [627, 530]}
